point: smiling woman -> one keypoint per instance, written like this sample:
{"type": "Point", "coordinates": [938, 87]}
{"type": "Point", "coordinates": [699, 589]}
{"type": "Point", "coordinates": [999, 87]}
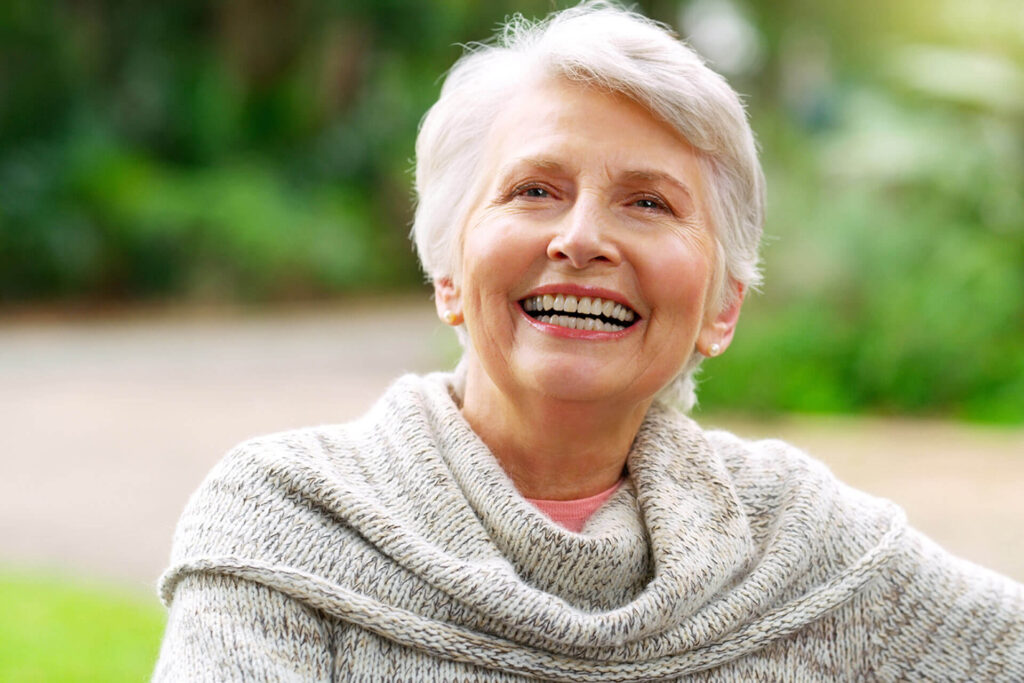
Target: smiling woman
{"type": "Point", "coordinates": [572, 213]}
{"type": "Point", "coordinates": [590, 211]}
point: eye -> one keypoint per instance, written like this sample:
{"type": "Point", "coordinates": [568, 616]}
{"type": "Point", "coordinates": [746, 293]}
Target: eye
{"type": "Point", "coordinates": [531, 193]}
{"type": "Point", "coordinates": [650, 204]}
{"type": "Point", "coordinates": [534, 192]}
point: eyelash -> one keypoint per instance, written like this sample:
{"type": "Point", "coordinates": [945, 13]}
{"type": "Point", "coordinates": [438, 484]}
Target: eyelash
{"type": "Point", "coordinates": [659, 204]}
{"type": "Point", "coordinates": [523, 190]}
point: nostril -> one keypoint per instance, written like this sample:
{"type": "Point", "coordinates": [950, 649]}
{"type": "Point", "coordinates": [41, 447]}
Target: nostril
{"type": "Point", "coordinates": [582, 247]}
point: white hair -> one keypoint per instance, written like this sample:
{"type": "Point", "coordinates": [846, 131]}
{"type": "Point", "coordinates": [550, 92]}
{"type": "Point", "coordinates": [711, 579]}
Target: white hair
{"type": "Point", "coordinates": [602, 45]}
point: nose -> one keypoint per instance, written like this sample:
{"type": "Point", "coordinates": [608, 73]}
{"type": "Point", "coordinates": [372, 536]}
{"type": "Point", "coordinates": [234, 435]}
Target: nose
{"type": "Point", "coordinates": [584, 236]}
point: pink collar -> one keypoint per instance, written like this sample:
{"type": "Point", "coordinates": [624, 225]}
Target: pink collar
{"type": "Point", "coordinates": [573, 514]}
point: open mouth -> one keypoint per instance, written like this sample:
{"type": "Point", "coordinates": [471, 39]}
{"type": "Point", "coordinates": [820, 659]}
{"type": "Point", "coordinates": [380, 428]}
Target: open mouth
{"type": "Point", "coordinates": [579, 313]}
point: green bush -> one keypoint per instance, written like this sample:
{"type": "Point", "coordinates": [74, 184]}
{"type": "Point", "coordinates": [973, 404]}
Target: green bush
{"type": "Point", "coordinates": [895, 271]}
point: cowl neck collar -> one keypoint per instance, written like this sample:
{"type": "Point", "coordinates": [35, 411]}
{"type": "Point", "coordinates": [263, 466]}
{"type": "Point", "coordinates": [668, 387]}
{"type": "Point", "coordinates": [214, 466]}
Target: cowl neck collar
{"type": "Point", "coordinates": [635, 569]}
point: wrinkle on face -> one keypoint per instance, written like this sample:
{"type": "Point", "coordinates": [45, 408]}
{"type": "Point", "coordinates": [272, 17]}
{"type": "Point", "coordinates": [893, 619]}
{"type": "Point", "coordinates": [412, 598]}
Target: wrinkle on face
{"type": "Point", "coordinates": [565, 158]}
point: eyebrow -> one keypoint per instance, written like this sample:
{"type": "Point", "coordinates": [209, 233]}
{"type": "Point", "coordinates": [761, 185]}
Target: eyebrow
{"type": "Point", "coordinates": [542, 163]}
{"type": "Point", "coordinates": [658, 176]}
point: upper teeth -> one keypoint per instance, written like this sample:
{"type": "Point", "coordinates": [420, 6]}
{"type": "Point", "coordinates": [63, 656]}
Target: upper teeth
{"type": "Point", "coordinates": [584, 305]}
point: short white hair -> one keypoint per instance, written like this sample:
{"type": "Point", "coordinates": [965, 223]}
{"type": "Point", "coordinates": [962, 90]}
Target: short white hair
{"type": "Point", "coordinates": [601, 45]}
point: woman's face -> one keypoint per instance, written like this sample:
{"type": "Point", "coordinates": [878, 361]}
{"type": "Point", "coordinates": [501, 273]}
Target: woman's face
{"type": "Point", "coordinates": [586, 198]}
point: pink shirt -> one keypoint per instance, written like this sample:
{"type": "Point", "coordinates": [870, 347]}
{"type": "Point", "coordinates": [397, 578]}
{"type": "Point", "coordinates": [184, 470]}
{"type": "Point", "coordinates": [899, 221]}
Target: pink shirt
{"type": "Point", "coordinates": [573, 514]}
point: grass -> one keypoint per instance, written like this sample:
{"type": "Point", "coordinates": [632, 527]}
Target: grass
{"type": "Point", "coordinates": [56, 629]}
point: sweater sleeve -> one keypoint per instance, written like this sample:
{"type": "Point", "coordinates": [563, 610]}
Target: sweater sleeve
{"type": "Point", "coordinates": [942, 618]}
{"type": "Point", "coordinates": [221, 628]}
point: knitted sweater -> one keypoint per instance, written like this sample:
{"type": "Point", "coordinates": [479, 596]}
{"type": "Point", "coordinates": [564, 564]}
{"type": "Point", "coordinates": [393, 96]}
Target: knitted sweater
{"type": "Point", "coordinates": [395, 548]}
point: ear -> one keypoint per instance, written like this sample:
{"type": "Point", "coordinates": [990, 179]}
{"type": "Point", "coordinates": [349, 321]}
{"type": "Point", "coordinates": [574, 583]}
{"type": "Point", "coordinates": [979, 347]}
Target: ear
{"type": "Point", "coordinates": [448, 299]}
{"type": "Point", "coordinates": [720, 329]}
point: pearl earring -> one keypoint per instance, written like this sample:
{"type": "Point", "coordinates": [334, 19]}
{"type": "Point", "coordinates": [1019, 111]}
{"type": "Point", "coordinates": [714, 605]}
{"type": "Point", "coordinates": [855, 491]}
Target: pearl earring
{"type": "Point", "coordinates": [450, 317]}
{"type": "Point", "coordinates": [714, 350]}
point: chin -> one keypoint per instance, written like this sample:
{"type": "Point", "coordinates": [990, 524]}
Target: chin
{"type": "Point", "coordinates": [575, 381]}
{"type": "Point", "coordinates": [582, 377]}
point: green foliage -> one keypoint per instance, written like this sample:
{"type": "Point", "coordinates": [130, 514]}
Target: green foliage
{"type": "Point", "coordinates": [895, 271]}
{"type": "Point", "coordinates": [248, 150]}
{"type": "Point", "coordinates": [894, 149]}
{"type": "Point", "coordinates": [54, 630]}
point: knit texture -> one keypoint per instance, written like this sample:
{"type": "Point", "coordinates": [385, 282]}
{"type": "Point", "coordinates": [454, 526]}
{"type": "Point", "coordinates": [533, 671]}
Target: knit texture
{"type": "Point", "coordinates": [395, 548]}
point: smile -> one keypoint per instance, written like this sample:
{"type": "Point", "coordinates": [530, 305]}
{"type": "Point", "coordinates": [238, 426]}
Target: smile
{"type": "Point", "coordinates": [579, 313]}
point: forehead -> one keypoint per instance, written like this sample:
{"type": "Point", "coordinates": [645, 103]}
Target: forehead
{"type": "Point", "coordinates": [569, 124]}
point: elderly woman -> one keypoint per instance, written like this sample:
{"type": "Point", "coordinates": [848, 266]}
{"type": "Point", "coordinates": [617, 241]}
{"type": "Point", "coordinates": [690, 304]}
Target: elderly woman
{"type": "Point", "coordinates": [590, 211]}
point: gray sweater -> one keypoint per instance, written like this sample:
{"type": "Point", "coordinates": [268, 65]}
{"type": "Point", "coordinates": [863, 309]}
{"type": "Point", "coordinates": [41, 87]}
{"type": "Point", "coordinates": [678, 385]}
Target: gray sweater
{"type": "Point", "coordinates": [395, 548]}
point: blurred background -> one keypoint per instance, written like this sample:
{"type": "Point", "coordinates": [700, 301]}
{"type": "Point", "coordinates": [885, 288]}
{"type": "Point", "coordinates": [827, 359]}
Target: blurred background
{"type": "Point", "coordinates": [204, 211]}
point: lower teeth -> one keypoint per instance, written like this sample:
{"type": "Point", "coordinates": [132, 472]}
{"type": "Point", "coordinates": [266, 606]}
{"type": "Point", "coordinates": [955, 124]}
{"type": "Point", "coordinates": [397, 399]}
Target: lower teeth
{"type": "Point", "coordinates": [574, 323]}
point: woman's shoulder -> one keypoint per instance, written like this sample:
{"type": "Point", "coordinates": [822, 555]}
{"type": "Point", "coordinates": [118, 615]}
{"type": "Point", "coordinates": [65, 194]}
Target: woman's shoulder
{"type": "Point", "coordinates": [260, 466]}
{"type": "Point", "coordinates": [327, 448]}
{"type": "Point", "coordinates": [270, 490]}
{"type": "Point", "coordinates": [298, 447]}
{"type": "Point", "coordinates": [918, 581]}
{"type": "Point", "coordinates": [273, 481]}
{"type": "Point", "coordinates": [257, 470]}
{"type": "Point", "coordinates": [771, 463]}
{"type": "Point", "coordinates": [773, 467]}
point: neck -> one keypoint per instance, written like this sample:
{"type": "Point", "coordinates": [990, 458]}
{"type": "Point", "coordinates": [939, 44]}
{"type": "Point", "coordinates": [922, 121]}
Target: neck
{"type": "Point", "coordinates": [552, 449]}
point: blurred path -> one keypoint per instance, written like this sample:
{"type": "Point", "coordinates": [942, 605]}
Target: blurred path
{"type": "Point", "coordinates": [107, 426]}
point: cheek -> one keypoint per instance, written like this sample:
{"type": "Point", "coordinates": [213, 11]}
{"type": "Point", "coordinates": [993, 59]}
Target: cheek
{"type": "Point", "coordinates": [678, 277]}
{"type": "Point", "coordinates": [497, 255]}
{"type": "Point", "coordinates": [483, 245]}
{"type": "Point", "coordinates": [479, 253]}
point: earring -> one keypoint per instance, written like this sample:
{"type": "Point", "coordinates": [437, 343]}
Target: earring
{"type": "Point", "coordinates": [451, 318]}
{"type": "Point", "coordinates": [714, 350]}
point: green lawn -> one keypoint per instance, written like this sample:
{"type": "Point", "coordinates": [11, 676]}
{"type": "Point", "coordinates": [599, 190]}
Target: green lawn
{"type": "Point", "coordinates": [56, 629]}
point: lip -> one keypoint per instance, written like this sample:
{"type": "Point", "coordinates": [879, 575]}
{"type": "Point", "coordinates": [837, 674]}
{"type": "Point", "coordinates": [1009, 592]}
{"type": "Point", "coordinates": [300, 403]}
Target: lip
{"type": "Point", "coordinates": [579, 291]}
